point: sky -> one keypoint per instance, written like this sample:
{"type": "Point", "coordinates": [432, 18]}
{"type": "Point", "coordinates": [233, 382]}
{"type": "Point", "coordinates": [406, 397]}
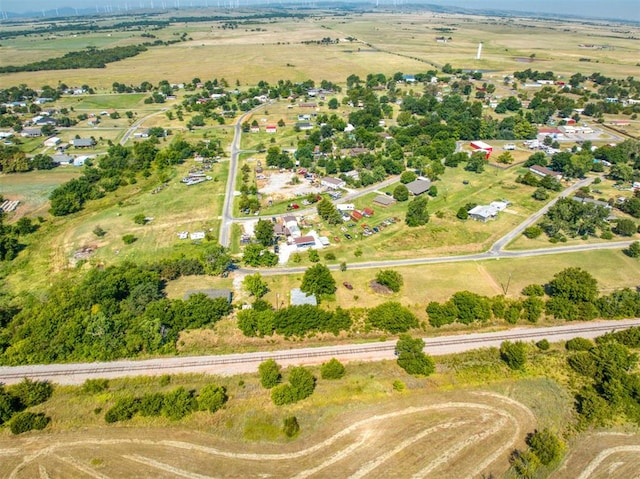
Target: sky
{"type": "Point", "coordinates": [622, 9]}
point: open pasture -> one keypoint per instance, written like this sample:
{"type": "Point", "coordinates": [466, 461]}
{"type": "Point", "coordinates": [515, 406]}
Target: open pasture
{"type": "Point", "coordinates": [422, 435]}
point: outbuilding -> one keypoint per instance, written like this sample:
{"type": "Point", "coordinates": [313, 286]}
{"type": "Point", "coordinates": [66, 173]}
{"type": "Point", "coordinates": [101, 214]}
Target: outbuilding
{"type": "Point", "coordinates": [482, 146]}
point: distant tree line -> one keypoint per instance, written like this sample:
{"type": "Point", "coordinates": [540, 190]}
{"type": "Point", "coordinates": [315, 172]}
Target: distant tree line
{"type": "Point", "coordinates": [89, 58]}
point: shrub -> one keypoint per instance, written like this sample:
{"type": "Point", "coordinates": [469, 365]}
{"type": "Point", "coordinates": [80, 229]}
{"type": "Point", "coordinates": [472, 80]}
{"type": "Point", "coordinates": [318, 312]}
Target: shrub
{"type": "Point", "coordinates": [390, 278]}
{"type": "Point", "coordinates": [123, 410]}
{"type": "Point", "coordinates": [462, 213]}
{"type": "Point", "coordinates": [290, 426]}
{"type": "Point", "coordinates": [212, 398]}
{"type": "Point", "coordinates": [579, 344]}
{"type": "Point", "coordinates": [330, 256]}
{"type": "Point", "coordinates": [269, 373]}
{"type": "Point", "coordinates": [129, 239]}
{"type": "Point", "coordinates": [333, 369]}
{"type": "Point", "coordinates": [532, 232]}
{"type": "Point", "coordinates": [283, 394]}
{"type": "Point", "coordinates": [302, 382]}
{"type": "Point", "coordinates": [533, 290]}
{"type": "Point", "coordinates": [513, 354]}
{"type": "Point", "coordinates": [391, 317]}
{"type": "Point", "coordinates": [543, 345]}
{"type": "Point", "coordinates": [151, 404]}
{"type": "Point", "coordinates": [399, 385]}
{"type": "Point", "coordinates": [140, 219]}
{"type": "Point", "coordinates": [30, 393]}
{"type": "Point", "coordinates": [546, 446]}
{"type": "Point", "coordinates": [178, 403]}
{"type": "Point", "coordinates": [94, 386]}
{"type": "Point", "coordinates": [401, 193]}
{"type": "Point", "coordinates": [583, 363]}
{"type": "Point", "coordinates": [27, 421]}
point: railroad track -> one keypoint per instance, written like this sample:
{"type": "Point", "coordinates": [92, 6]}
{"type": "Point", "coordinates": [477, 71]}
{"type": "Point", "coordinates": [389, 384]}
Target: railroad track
{"type": "Point", "coordinates": [364, 352]}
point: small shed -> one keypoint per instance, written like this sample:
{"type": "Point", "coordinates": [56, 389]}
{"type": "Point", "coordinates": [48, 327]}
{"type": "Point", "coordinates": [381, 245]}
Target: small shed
{"type": "Point", "coordinates": [384, 200]}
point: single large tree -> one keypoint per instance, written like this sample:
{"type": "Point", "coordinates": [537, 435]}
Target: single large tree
{"type": "Point", "coordinates": [318, 280]}
{"type": "Point", "coordinates": [264, 232]}
{"type": "Point", "coordinates": [411, 356]}
{"type": "Point", "coordinates": [574, 284]}
{"type": "Point", "coordinates": [417, 214]}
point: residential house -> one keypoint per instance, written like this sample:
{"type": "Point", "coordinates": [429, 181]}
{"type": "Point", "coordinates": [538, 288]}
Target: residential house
{"type": "Point", "coordinates": [291, 224]}
{"type": "Point", "coordinates": [419, 186]}
{"type": "Point", "coordinates": [31, 132]}
{"type": "Point", "coordinates": [304, 242]}
{"type": "Point", "coordinates": [483, 213]}
{"type": "Point", "coordinates": [62, 159]}
{"type": "Point", "coordinates": [544, 171]}
{"type": "Point", "coordinates": [604, 204]}
{"type": "Point", "coordinates": [51, 142]}
{"type": "Point", "coordinates": [271, 129]}
{"type": "Point", "coordinates": [304, 125]}
{"type": "Point", "coordinates": [83, 142]}
{"type": "Point", "coordinates": [333, 183]}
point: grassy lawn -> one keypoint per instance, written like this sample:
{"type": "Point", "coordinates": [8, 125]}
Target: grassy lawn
{"type": "Point", "coordinates": [33, 188]}
{"type": "Point", "coordinates": [176, 208]}
{"type": "Point", "coordinates": [437, 282]}
{"type": "Point", "coordinates": [444, 234]}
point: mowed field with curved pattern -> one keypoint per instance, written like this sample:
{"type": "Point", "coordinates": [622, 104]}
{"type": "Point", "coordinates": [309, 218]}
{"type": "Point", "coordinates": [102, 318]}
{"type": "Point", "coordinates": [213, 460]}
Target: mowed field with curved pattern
{"type": "Point", "coordinates": [429, 436]}
{"type": "Point", "coordinates": [603, 455]}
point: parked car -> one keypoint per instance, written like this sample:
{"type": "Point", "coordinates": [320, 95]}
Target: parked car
{"type": "Point", "coordinates": [348, 236]}
{"type": "Point", "coordinates": [347, 285]}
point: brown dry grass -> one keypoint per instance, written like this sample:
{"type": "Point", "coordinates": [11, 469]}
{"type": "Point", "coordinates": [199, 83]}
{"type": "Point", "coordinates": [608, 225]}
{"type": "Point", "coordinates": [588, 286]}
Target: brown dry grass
{"type": "Point", "coordinates": [603, 455]}
{"type": "Point", "coordinates": [426, 433]}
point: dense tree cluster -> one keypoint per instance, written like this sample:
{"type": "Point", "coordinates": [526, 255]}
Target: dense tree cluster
{"type": "Point", "coordinates": [294, 321]}
{"type": "Point", "coordinates": [117, 312]}
{"type": "Point", "coordinates": [613, 388]}
{"type": "Point", "coordinates": [301, 385]}
{"type": "Point", "coordinates": [174, 404]}
{"type": "Point", "coordinates": [89, 58]}
{"type": "Point", "coordinates": [15, 399]}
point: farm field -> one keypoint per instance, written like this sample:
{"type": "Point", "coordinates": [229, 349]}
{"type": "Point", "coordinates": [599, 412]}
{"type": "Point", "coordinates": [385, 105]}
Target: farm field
{"type": "Point", "coordinates": [384, 42]}
{"type": "Point", "coordinates": [443, 432]}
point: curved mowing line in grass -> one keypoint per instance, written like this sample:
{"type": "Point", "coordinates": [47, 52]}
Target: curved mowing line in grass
{"type": "Point", "coordinates": [593, 465]}
{"type": "Point", "coordinates": [374, 421]}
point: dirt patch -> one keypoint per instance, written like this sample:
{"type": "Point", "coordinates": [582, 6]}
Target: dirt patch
{"type": "Point", "coordinates": [278, 186]}
{"type": "Point", "coordinates": [380, 288]}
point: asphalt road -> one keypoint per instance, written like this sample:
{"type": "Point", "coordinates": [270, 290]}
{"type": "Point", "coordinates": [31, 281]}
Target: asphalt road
{"type": "Point", "coordinates": [227, 207]}
{"type": "Point", "coordinates": [134, 126]}
{"type": "Point", "coordinates": [248, 362]}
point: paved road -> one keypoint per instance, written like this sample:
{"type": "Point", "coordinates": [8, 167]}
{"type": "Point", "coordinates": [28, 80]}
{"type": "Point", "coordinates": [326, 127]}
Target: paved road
{"type": "Point", "coordinates": [248, 362]}
{"type": "Point", "coordinates": [506, 239]}
{"type": "Point", "coordinates": [134, 126]}
{"type": "Point", "coordinates": [227, 207]}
